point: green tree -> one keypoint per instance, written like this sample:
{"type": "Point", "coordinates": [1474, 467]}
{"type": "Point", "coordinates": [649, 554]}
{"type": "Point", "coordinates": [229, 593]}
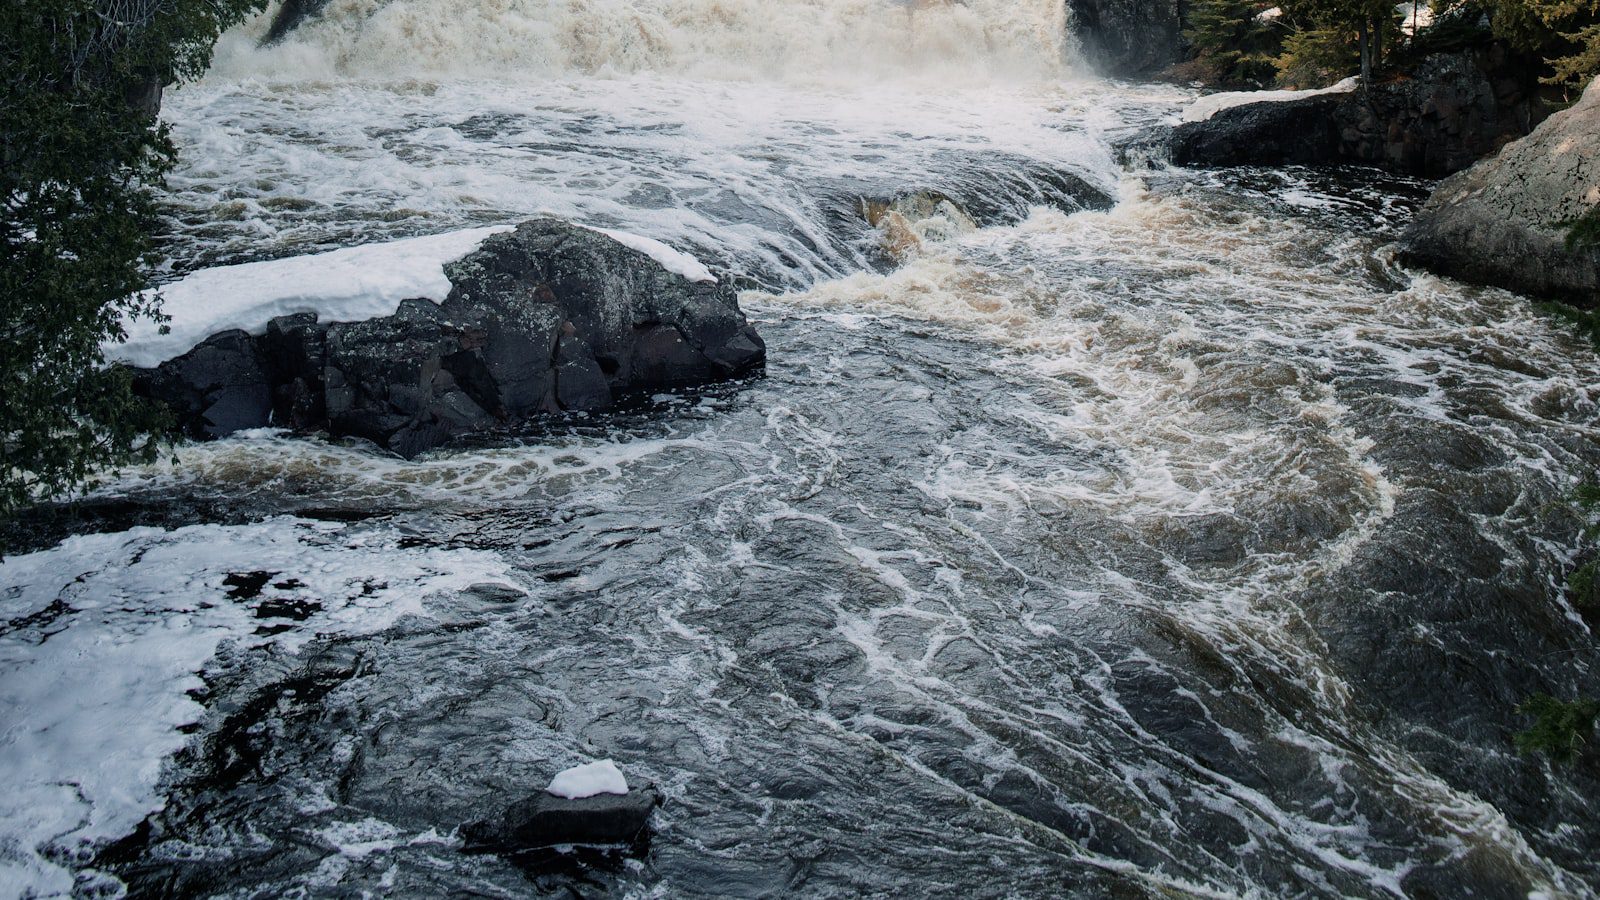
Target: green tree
{"type": "Point", "coordinates": [1316, 57]}
{"type": "Point", "coordinates": [1370, 22]}
{"type": "Point", "coordinates": [1235, 40]}
{"type": "Point", "coordinates": [1565, 32]}
{"type": "Point", "coordinates": [81, 152]}
{"type": "Point", "coordinates": [1560, 728]}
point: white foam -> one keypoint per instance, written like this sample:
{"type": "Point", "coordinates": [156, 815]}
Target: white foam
{"type": "Point", "coordinates": [347, 285]}
{"type": "Point", "coordinates": [818, 40]}
{"type": "Point", "coordinates": [92, 694]}
{"type": "Point", "coordinates": [588, 780]}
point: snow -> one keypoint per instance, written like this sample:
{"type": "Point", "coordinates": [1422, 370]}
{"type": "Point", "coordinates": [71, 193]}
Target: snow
{"type": "Point", "coordinates": [1211, 104]}
{"type": "Point", "coordinates": [1269, 15]}
{"type": "Point", "coordinates": [587, 780]}
{"type": "Point", "coordinates": [349, 285]}
{"type": "Point", "coordinates": [1415, 17]}
{"type": "Point", "coordinates": [109, 631]}
{"type": "Point", "coordinates": [675, 261]}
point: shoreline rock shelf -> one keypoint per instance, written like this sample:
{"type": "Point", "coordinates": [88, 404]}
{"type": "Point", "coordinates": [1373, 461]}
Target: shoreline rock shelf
{"type": "Point", "coordinates": [1454, 109]}
{"type": "Point", "coordinates": [1504, 221]}
{"type": "Point", "coordinates": [548, 317]}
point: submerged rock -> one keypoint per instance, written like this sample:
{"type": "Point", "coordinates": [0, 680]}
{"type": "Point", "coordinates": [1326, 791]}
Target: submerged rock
{"type": "Point", "coordinates": [907, 223]}
{"type": "Point", "coordinates": [548, 317]}
{"type": "Point", "coordinates": [544, 820]}
{"type": "Point", "coordinates": [1504, 221]}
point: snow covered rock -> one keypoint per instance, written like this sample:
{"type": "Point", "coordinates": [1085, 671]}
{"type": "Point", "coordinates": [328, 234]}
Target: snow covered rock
{"type": "Point", "coordinates": [585, 805]}
{"type": "Point", "coordinates": [550, 316]}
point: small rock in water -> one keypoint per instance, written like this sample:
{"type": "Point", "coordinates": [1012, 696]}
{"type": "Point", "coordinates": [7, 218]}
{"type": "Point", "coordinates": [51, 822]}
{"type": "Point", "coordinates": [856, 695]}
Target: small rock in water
{"type": "Point", "coordinates": [546, 820]}
{"type": "Point", "coordinates": [587, 780]}
{"type": "Point", "coordinates": [494, 592]}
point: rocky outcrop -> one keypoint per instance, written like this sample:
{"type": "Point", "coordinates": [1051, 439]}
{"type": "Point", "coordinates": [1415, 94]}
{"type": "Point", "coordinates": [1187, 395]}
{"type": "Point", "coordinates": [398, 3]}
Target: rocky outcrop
{"type": "Point", "coordinates": [1503, 221]}
{"type": "Point", "coordinates": [1284, 132]}
{"type": "Point", "coordinates": [1454, 109]}
{"type": "Point", "coordinates": [1130, 37]}
{"type": "Point", "coordinates": [546, 318]}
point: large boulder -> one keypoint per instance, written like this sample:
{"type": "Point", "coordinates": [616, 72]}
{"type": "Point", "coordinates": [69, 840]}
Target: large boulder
{"type": "Point", "coordinates": [1129, 37]}
{"type": "Point", "coordinates": [1504, 221]}
{"type": "Point", "coordinates": [1453, 109]}
{"type": "Point", "coordinates": [546, 318]}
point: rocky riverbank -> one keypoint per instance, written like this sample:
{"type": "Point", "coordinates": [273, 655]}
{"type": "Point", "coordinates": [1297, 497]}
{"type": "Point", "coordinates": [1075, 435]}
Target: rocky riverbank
{"type": "Point", "coordinates": [1506, 220]}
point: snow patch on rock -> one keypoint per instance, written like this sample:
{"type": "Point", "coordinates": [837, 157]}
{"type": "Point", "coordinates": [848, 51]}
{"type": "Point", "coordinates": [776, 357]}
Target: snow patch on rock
{"type": "Point", "coordinates": [1211, 104]}
{"type": "Point", "coordinates": [588, 780]}
{"type": "Point", "coordinates": [675, 261]}
{"type": "Point", "coordinates": [349, 285]}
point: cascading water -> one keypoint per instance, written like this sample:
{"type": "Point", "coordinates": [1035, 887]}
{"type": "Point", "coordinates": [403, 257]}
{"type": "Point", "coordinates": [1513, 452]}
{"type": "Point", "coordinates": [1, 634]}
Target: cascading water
{"type": "Point", "coordinates": [1186, 547]}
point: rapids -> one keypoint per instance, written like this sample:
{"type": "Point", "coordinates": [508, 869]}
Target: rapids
{"type": "Point", "coordinates": [1189, 547]}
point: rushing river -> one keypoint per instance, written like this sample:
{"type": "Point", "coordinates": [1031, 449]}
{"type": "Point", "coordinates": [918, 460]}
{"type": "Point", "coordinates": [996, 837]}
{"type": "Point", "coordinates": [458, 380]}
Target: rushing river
{"type": "Point", "coordinates": [1192, 547]}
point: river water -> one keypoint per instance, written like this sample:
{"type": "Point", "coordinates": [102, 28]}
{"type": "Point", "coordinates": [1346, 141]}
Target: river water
{"type": "Point", "coordinates": [1181, 545]}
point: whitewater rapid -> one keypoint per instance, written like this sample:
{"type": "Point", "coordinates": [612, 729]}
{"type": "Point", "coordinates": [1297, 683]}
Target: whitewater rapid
{"type": "Point", "coordinates": [1132, 531]}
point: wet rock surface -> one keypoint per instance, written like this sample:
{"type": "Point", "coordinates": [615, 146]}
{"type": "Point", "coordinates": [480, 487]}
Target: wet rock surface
{"type": "Point", "coordinates": [550, 317]}
{"type": "Point", "coordinates": [1303, 132]}
{"type": "Point", "coordinates": [1504, 221]}
{"type": "Point", "coordinates": [1453, 110]}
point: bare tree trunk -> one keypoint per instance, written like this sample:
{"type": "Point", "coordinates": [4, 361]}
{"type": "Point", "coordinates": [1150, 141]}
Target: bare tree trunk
{"type": "Point", "coordinates": [1366, 55]}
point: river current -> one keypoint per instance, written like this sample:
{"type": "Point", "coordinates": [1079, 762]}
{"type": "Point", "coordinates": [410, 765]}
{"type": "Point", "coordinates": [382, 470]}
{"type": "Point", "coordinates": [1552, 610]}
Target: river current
{"type": "Point", "coordinates": [1187, 547]}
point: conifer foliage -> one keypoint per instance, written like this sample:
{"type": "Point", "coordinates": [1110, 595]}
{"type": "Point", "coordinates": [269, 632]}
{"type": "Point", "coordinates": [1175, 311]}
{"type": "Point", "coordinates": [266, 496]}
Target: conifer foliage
{"type": "Point", "coordinates": [80, 152]}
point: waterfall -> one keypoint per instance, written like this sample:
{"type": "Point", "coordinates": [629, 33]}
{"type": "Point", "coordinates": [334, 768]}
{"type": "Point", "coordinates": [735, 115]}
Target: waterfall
{"type": "Point", "coordinates": [788, 40]}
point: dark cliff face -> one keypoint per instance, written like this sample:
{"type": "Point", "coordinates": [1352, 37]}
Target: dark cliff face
{"type": "Point", "coordinates": [1130, 37]}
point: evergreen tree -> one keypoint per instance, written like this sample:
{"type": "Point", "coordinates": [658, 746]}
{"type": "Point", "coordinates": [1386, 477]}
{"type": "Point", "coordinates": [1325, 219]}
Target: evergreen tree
{"type": "Point", "coordinates": [1236, 40]}
{"type": "Point", "coordinates": [80, 153]}
{"type": "Point", "coordinates": [1372, 23]}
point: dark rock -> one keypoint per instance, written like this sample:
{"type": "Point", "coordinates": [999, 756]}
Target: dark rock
{"type": "Point", "coordinates": [1130, 37]}
{"type": "Point", "coordinates": [1504, 221]}
{"type": "Point", "coordinates": [293, 350]}
{"type": "Point", "coordinates": [546, 318]}
{"type": "Point", "coordinates": [390, 380]}
{"type": "Point", "coordinates": [143, 95]}
{"type": "Point", "coordinates": [1300, 132]}
{"type": "Point", "coordinates": [1451, 111]}
{"type": "Point", "coordinates": [550, 281]}
{"type": "Point", "coordinates": [493, 592]}
{"type": "Point", "coordinates": [543, 820]}
{"type": "Point", "coordinates": [290, 16]}
{"type": "Point", "coordinates": [219, 387]}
